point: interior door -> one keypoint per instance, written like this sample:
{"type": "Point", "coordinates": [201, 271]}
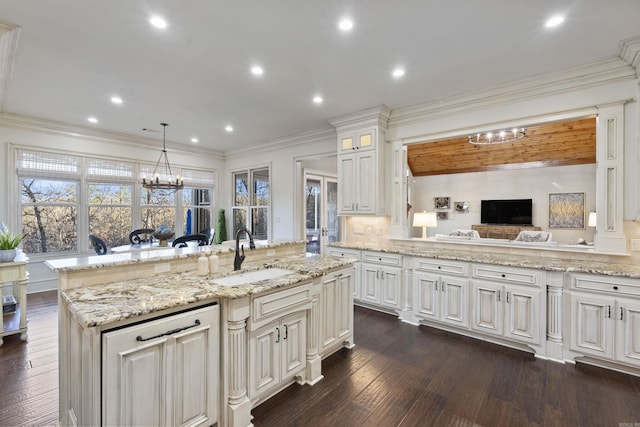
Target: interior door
{"type": "Point", "coordinates": [321, 212]}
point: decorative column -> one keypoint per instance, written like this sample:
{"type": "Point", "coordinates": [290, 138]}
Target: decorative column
{"type": "Point", "coordinates": [555, 282]}
{"type": "Point", "coordinates": [610, 179]}
{"type": "Point", "coordinates": [239, 405]}
{"type": "Point", "coordinates": [313, 371]}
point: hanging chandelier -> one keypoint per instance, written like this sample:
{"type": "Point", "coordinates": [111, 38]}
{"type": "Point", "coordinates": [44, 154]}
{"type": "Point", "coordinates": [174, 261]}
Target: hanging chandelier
{"type": "Point", "coordinates": [497, 137]}
{"type": "Point", "coordinates": [162, 178]}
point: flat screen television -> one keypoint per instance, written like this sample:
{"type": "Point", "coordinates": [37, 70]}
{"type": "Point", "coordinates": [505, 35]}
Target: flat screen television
{"type": "Point", "coordinates": [513, 212]}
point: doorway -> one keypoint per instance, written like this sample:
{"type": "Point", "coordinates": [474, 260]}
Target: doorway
{"type": "Point", "coordinates": [321, 212]}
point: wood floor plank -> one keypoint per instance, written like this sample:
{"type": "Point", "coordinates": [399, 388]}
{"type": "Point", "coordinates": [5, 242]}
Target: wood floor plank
{"type": "Point", "coordinates": [397, 375]}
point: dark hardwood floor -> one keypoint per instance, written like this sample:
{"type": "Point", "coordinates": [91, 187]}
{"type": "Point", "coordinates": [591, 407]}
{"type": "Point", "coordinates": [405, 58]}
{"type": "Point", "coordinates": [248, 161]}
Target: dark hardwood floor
{"type": "Point", "coordinates": [397, 375]}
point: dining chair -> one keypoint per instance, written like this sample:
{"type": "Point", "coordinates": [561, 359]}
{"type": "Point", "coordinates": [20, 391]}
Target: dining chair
{"type": "Point", "coordinates": [181, 242]}
{"type": "Point", "coordinates": [98, 244]}
{"type": "Point", "coordinates": [210, 233]}
{"type": "Point", "coordinates": [147, 233]}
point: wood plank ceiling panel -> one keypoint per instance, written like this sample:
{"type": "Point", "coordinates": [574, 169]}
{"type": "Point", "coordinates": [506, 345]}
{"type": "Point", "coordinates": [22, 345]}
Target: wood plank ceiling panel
{"type": "Point", "coordinates": [551, 144]}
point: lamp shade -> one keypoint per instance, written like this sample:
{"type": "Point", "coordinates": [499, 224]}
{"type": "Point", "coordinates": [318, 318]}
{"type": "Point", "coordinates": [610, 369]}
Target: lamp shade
{"type": "Point", "coordinates": [425, 219]}
{"type": "Point", "coordinates": [592, 219]}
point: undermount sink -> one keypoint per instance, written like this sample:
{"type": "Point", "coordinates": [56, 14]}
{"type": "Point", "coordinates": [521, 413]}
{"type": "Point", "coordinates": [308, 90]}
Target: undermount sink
{"type": "Point", "coordinates": [252, 276]}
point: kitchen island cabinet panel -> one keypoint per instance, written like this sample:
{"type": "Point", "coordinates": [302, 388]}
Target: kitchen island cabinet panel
{"type": "Point", "coordinates": [171, 372]}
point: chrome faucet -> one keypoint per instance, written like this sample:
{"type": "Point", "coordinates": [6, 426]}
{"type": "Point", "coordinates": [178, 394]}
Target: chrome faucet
{"type": "Point", "coordinates": [237, 261]}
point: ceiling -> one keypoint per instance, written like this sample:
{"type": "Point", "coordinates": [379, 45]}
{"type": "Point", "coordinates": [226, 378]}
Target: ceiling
{"type": "Point", "coordinates": [72, 56]}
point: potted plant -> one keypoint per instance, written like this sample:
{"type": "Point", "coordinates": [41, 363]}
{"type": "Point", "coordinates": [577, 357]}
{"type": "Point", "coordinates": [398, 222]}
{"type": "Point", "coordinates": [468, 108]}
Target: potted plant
{"type": "Point", "coordinates": [8, 244]}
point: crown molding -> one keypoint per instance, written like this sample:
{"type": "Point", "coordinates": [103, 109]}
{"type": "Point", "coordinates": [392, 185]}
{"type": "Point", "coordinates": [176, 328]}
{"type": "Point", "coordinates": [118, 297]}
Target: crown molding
{"type": "Point", "coordinates": [580, 77]}
{"type": "Point", "coordinates": [9, 34]}
{"type": "Point", "coordinates": [630, 53]}
{"type": "Point", "coordinates": [374, 116]}
{"type": "Point", "coordinates": [34, 124]}
{"type": "Point", "coordinates": [309, 137]}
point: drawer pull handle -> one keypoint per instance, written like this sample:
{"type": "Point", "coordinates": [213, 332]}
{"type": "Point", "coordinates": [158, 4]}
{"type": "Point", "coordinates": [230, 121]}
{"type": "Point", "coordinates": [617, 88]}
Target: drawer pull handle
{"type": "Point", "coordinates": [609, 311]}
{"type": "Point", "coordinates": [504, 275]}
{"type": "Point", "coordinates": [499, 295]}
{"type": "Point", "coordinates": [621, 313]}
{"type": "Point", "coordinates": [286, 332]}
{"type": "Point", "coordinates": [615, 288]}
{"type": "Point", "coordinates": [439, 267]}
{"type": "Point", "coordinates": [170, 332]}
{"type": "Point", "coordinates": [278, 335]}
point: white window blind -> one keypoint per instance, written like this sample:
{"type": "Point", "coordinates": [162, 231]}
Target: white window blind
{"type": "Point", "coordinates": [198, 178]}
{"type": "Point", "coordinates": [48, 165]}
{"type": "Point", "coordinates": [110, 170]}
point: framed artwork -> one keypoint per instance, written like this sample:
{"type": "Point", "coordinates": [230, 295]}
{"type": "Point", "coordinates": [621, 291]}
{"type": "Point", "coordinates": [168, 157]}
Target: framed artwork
{"type": "Point", "coordinates": [462, 207]}
{"type": "Point", "coordinates": [566, 210]}
{"type": "Point", "coordinates": [442, 215]}
{"type": "Point", "coordinates": [442, 202]}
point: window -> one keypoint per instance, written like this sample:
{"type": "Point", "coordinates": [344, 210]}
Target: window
{"type": "Point", "coordinates": [252, 197]}
{"type": "Point", "coordinates": [65, 196]}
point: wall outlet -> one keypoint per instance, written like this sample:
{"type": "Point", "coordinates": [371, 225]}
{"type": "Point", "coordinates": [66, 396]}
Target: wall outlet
{"type": "Point", "coordinates": [162, 268]}
{"type": "Point", "coordinates": [635, 244]}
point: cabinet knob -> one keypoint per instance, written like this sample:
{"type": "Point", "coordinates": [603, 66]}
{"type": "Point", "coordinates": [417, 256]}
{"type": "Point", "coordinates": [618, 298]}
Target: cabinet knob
{"type": "Point", "coordinates": [439, 267]}
{"type": "Point", "coordinates": [615, 288]}
{"type": "Point", "coordinates": [504, 275]}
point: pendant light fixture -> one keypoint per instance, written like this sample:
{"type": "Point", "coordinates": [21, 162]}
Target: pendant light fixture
{"type": "Point", "coordinates": [162, 177]}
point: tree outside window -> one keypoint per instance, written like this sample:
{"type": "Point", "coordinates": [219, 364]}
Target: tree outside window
{"type": "Point", "coordinates": [252, 198]}
{"type": "Point", "coordinates": [110, 212]}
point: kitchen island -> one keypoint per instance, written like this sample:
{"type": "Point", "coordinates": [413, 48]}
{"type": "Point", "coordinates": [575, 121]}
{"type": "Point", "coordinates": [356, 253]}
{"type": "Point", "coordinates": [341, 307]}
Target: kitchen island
{"type": "Point", "coordinates": [147, 340]}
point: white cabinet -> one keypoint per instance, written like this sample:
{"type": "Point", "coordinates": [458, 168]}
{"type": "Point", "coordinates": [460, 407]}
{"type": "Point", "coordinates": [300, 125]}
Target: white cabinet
{"type": "Point", "coordinates": [336, 311]}
{"type": "Point", "coordinates": [278, 354]}
{"type": "Point", "coordinates": [361, 172]}
{"type": "Point", "coordinates": [509, 303]}
{"type": "Point", "coordinates": [381, 275]}
{"type": "Point", "coordinates": [167, 366]}
{"type": "Point", "coordinates": [439, 296]}
{"type": "Point", "coordinates": [354, 254]}
{"type": "Point", "coordinates": [605, 317]}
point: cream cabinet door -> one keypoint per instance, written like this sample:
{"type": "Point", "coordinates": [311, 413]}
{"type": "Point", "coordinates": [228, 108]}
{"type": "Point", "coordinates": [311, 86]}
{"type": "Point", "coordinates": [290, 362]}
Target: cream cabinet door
{"type": "Point", "coordinates": [488, 312]}
{"type": "Point", "coordinates": [163, 372]}
{"type": "Point", "coordinates": [426, 299]}
{"type": "Point", "coordinates": [391, 286]}
{"type": "Point", "coordinates": [523, 314]}
{"type": "Point", "coordinates": [454, 301]}
{"type": "Point", "coordinates": [293, 344]}
{"type": "Point", "coordinates": [592, 327]}
{"type": "Point", "coordinates": [370, 285]}
{"type": "Point", "coordinates": [347, 184]}
{"type": "Point", "coordinates": [627, 316]}
{"type": "Point", "coordinates": [366, 182]}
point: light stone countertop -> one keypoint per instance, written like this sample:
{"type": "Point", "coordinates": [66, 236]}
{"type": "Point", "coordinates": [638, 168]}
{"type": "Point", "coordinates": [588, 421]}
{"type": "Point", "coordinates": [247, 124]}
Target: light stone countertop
{"type": "Point", "coordinates": [125, 258]}
{"type": "Point", "coordinates": [105, 304]}
{"type": "Point", "coordinates": [510, 260]}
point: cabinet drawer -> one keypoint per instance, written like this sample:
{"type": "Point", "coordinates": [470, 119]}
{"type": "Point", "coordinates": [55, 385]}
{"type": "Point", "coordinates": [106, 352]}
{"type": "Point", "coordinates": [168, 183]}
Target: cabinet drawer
{"type": "Point", "coordinates": [382, 258]}
{"type": "Point", "coordinates": [439, 266]}
{"type": "Point", "coordinates": [281, 303]}
{"type": "Point", "coordinates": [516, 276]}
{"type": "Point", "coordinates": [608, 284]}
{"type": "Point", "coordinates": [345, 253]}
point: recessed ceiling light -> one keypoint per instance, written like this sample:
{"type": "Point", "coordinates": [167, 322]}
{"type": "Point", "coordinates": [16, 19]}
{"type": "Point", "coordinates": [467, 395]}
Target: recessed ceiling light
{"type": "Point", "coordinates": [194, 140]}
{"type": "Point", "coordinates": [257, 70]}
{"type": "Point", "coordinates": [228, 128]}
{"type": "Point", "coordinates": [345, 25]}
{"type": "Point", "coordinates": [92, 120]}
{"type": "Point", "coordinates": [398, 72]}
{"type": "Point", "coordinates": [554, 21]}
{"type": "Point", "coordinates": [158, 22]}
{"type": "Point", "coordinates": [116, 100]}
{"type": "Point", "coordinates": [317, 99]}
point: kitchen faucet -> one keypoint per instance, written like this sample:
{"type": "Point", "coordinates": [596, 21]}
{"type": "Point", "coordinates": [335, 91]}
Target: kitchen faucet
{"type": "Point", "coordinates": [237, 261]}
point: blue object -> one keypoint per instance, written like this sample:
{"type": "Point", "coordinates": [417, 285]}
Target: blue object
{"type": "Point", "coordinates": [188, 227]}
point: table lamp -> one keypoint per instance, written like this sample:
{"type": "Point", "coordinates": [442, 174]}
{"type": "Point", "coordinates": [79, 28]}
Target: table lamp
{"type": "Point", "coordinates": [424, 220]}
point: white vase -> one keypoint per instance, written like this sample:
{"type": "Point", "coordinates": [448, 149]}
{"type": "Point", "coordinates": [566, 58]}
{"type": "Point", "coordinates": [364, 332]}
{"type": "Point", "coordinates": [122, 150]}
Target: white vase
{"type": "Point", "coordinates": [7, 255]}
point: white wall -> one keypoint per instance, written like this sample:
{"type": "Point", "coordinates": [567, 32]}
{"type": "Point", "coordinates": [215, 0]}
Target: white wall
{"type": "Point", "coordinates": [40, 135]}
{"type": "Point", "coordinates": [535, 184]}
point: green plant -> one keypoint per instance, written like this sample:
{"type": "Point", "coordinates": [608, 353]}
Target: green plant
{"type": "Point", "coordinates": [221, 231]}
{"type": "Point", "coordinates": [9, 241]}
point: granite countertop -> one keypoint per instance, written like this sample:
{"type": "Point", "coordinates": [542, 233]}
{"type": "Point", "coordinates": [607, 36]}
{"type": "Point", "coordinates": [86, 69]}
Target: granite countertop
{"type": "Point", "coordinates": [510, 260]}
{"type": "Point", "coordinates": [124, 258]}
{"type": "Point", "coordinates": [101, 305]}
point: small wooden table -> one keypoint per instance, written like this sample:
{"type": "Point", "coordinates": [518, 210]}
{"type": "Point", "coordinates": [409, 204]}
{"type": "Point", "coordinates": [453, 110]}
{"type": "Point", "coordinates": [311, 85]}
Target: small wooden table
{"type": "Point", "coordinates": [14, 322]}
